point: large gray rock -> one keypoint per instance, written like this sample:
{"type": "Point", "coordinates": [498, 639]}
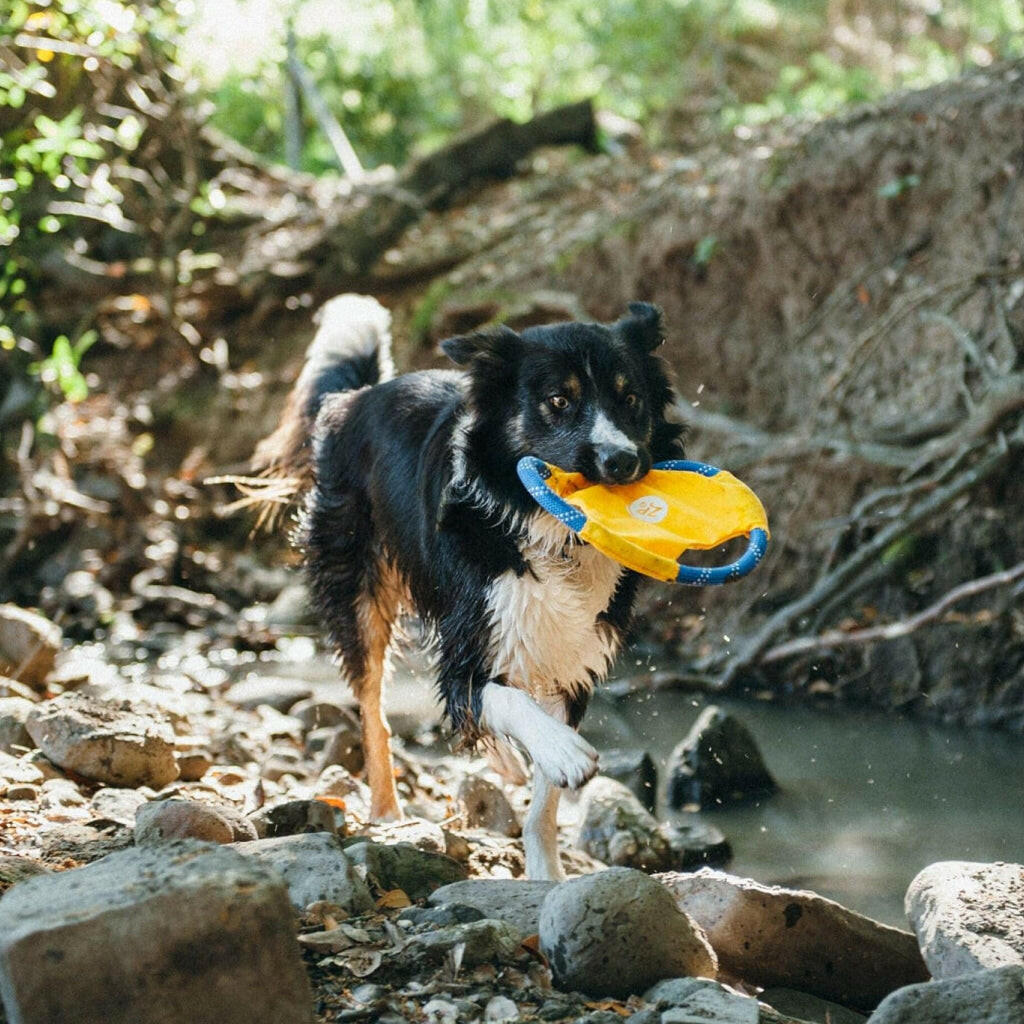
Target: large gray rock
{"type": "Point", "coordinates": [516, 901]}
{"type": "Point", "coordinates": [700, 999]}
{"type": "Point", "coordinates": [987, 997]}
{"type": "Point", "coordinates": [184, 932]}
{"type": "Point", "coordinates": [769, 936]}
{"type": "Point", "coordinates": [968, 916]}
{"type": "Point", "coordinates": [314, 868]}
{"type": "Point", "coordinates": [404, 866]}
{"type": "Point", "coordinates": [14, 712]}
{"type": "Point", "coordinates": [618, 830]}
{"type": "Point", "coordinates": [165, 820]}
{"type": "Point", "coordinates": [103, 741]}
{"type": "Point", "coordinates": [483, 942]}
{"type": "Point", "coordinates": [29, 643]}
{"type": "Point", "coordinates": [717, 763]}
{"type": "Point", "coordinates": [617, 932]}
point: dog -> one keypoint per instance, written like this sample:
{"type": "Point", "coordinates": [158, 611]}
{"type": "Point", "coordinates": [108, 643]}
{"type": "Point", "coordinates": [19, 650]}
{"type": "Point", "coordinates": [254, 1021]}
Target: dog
{"type": "Point", "coordinates": [412, 503]}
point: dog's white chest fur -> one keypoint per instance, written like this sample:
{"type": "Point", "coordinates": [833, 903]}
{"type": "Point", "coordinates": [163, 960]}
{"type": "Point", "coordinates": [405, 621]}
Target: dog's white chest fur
{"type": "Point", "coordinates": [545, 637]}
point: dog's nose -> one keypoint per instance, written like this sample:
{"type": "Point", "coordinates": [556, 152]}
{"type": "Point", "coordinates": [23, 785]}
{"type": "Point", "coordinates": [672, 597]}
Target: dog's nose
{"type": "Point", "coordinates": [618, 464]}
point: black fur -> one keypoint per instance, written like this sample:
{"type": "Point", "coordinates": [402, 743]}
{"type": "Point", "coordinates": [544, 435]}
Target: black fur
{"type": "Point", "coordinates": [414, 479]}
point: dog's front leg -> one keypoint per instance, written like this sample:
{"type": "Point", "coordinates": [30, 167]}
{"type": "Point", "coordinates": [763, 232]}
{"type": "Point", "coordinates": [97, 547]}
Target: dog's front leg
{"type": "Point", "coordinates": [561, 757]}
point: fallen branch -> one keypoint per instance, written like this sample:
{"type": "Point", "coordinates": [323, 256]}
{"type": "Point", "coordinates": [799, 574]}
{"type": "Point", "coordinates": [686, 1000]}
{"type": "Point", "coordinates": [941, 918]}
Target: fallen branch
{"type": "Point", "coordinates": [893, 630]}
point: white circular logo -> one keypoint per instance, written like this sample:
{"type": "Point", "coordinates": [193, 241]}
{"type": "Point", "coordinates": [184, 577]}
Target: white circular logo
{"type": "Point", "coordinates": [649, 509]}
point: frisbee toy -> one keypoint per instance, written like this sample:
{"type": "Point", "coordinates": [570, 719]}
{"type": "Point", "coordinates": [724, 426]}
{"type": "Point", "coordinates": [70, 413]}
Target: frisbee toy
{"type": "Point", "coordinates": [647, 526]}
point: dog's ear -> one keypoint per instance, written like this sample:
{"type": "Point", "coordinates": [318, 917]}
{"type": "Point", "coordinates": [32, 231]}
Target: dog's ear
{"type": "Point", "coordinates": [642, 328]}
{"type": "Point", "coordinates": [496, 344]}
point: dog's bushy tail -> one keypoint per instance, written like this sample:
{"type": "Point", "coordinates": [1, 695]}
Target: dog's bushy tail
{"type": "Point", "coordinates": [351, 350]}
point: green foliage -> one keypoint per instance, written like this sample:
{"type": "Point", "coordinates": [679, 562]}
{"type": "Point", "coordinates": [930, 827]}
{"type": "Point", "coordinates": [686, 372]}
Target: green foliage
{"type": "Point", "coordinates": [60, 368]}
{"type": "Point", "coordinates": [898, 186]}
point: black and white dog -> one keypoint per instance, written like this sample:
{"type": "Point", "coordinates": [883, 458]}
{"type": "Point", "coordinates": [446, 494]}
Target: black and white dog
{"type": "Point", "coordinates": [413, 502]}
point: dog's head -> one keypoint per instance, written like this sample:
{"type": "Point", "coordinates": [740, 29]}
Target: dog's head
{"type": "Point", "coordinates": [589, 398]}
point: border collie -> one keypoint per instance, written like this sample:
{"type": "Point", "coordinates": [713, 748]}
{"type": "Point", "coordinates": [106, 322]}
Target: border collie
{"type": "Point", "coordinates": [412, 502]}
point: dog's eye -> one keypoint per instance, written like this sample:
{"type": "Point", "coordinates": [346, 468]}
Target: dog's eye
{"type": "Point", "coordinates": [558, 402]}
{"type": "Point", "coordinates": [632, 400]}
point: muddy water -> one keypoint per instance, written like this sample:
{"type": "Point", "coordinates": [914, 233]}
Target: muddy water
{"type": "Point", "coordinates": [866, 800]}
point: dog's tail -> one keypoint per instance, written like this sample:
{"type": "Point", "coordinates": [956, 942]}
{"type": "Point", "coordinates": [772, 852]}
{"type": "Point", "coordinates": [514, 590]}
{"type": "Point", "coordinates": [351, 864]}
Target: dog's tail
{"type": "Point", "coordinates": [351, 350]}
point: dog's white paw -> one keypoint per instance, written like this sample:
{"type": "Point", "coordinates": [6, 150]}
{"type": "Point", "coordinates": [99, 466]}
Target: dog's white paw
{"type": "Point", "coordinates": [565, 758]}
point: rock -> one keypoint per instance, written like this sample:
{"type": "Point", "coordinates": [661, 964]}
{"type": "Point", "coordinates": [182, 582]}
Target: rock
{"type": "Point", "coordinates": [402, 866]}
{"type": "Point", "coordinates": [500, 1009]}
{"type": "Point", "coordinates": [193, 764]}
{"type": "Point", "coordinates": [809, 1008]}
{"type": "Point", "coordinates": [165, 820]}
{"type": "Point", "coordinates": [314, 868]}
{"type": "Point", "coordinates": [12, 688]}
{"type": "Point", "coordinates": [104, 742]}
{"type": "Point", "coordinates": [968, 916]}
{"type": "Point", "coordinates": [616, 829]}
{"type": "Point", "coordinates": [83, 843]}
{"type": "Point", "coordinates": [485, 942]}
{"type": "Point", "coordinates": [617, 932]}
{"type": "Point", "coordinates": [686, 1000]}
{"type": "Point", "coordinates": [635, 769]}
{"type": "Point", "coordinates": [772, 936]}
{"type": "Point", "coordinates": [274, 691]}
{"type": "Point", "coordinates": [55, 793]}
{"type": "Point", "coordinates": [291, 608]}
{"type": "Point", "coordinates": [18, 771]}
{"type": "Point", "coordinates": [186, 932]}
{"type": "Point", "coordinates": [297, 816]}
{"type": "Point", "coordinates": [695, 844]}
{"type": "Point", "coordinates": [985, 997]}
{"type": "Point", "coordinates": [23, 791]}
{"type": "Point", "coordinates": [441, 917]}
{"type": "Point", "coordinates": [484, 805]}
{"type": "Point", "coordinates": [318, 714]}
{"type": "Point", "coordinates": [29, 643]}
{"type": "Point", "coordinates": [343, 745]}
{"type": "Point", "coordinates": [516, 901]}
{"type": "Point", "coordinates": [717, 763]}
{"type": "Point", "coordinates": [14, 712]}
{"type": "Point", "coordinates": [116, 805]}
{"type": "Point", "coordinates": [16, 869]}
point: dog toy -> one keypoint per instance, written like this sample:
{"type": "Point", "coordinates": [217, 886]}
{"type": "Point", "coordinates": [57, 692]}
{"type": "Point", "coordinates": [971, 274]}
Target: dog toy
{"type": "Point", "coordinates": [647, 525]}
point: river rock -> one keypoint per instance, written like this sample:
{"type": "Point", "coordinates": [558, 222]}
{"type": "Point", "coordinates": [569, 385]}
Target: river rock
{"type": "Point", "coordinates": [29, 644]}
{"type": "Point", "coordinates": [15, 869]}
{"type": "Point", "coordinates": [342, 745]}
{"type": "Point", "coordinates": [516, 901]}
{"type": "Point", "coordinates": [484, 941]}
{"type": "Point", "coordinates": [164, 820]}
{"type": "Point", "coordinates": [114, 805]}
{"type": "Point", "coordinates": [968, 916]}
{"type": "Point", "coordinates": [617, 932]}
{"type": "Point", "coordinates": [293, 817]}
{"type": "Point", "coordinates": [700, 999]}
{"type": "Point", "coordinates": [104, 742]}
{"type": "Point", "coordinates": [695, 843]}
{"type": "Point", "coordinates": [184, 932]}
{"type": "Point", "coordinates": [767, 935]}
{"type": "Point", "coordinates": [985, 997]}
{"type": "Point", "coordinates": [806, 1007]}
{"type": "Point", "coordinates": [484, 805]}
{"type": "Point", "coordinates": [618, 830]}
{"type": "Point", "coordinates": [14, 712]}
{"type": "Point", "coordinates": [635, 769]}
{"type": "Point", "coordinates": [274, 691]}
{"type": "Point", "coordinates": [403, 866]}
{"type": "Point", "coordinates": [319, 714]}
{"type": "Point", "coordinates": [315, 868]}
{"type": "Point", "coordinates": [717, 763]}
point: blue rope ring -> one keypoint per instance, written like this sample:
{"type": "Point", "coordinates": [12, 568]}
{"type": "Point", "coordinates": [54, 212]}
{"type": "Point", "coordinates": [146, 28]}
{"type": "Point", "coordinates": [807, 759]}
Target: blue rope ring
{"type": "Point", "coordinates": [533, 473]}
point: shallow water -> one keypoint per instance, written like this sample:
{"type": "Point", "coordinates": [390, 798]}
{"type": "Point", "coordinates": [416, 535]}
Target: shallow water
{"type": "Point", "coordinates": [866, 800]}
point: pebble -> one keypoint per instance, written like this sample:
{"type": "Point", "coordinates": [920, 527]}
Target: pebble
{"type": "Point", "coordinates": [29, 643]}
{"type": "Point", "coordinates": [499, 1009]}
{"type": "Point", "coordinates": [14, 712]}
{"type": "Point", "coordinates": [104, 742]}
{"type": "Point", "coordinates": [343, 745]}
{"type": "Point", "coordinates": [770, 936]}
{"type": "Point", "coordinates": [624, 918]}
{"type": "Point", "coordinates": [16, 869]}
{"type": "Point", "coordinates": [318, 714]}
{"type": "Point", "coordinates": [484, 805]}
{"type": "Point", "coordinates": [193, 764]}
{"type": "Point", "coordinates": [274, 691]}
{"type": "Point", "coordinates": [484, 941]}
{"type": "Point", "coordinates": [718, 762]}
{"type": "Point", "coordinates": [297, 816]}
{"type": "Point", "coordinates": [968, 916]}
{"type": "Point", "coordinates": [164, 820]}
{"type": "Point", "coordinates": [116, 805]}
{"type": "Point", "coordinates": [695, 844]}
